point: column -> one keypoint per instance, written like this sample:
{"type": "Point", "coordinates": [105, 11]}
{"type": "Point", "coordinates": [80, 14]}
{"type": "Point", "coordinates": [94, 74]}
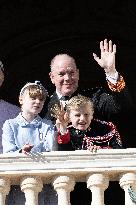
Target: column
{"type": "Point", "coordinates": [31, 186]}
{"type": "Point", "coordinates": [127, 180]}
{"type": "Point", "coordinates": [4, 189]}
{"type": "Point", "coordinates": [63, 185]}
{"type": "Point", "coordinates": [97, 183]}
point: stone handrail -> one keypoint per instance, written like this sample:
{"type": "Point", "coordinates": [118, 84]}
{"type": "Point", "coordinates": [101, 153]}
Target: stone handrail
{"type": "Point", "coordinates": [63, 169]}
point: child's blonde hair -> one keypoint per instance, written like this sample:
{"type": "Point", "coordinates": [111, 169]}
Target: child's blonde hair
{"type": "Point", "coordinates": [35, 90]}
{"type": "Point", "coordinates": [79, 101]}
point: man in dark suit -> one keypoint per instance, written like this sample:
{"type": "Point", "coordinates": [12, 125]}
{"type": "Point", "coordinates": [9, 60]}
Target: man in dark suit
{"type": "Point", "coordinates": [110, 104]}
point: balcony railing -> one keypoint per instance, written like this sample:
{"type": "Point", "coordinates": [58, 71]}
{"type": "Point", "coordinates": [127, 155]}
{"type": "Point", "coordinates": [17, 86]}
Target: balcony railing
{"type": "Point", "coordinates": [64, 169]}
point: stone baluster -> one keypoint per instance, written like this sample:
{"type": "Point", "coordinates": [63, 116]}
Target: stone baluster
{"type": "Point", "coordinates": [63, 185]}
{"type": "Point", "coordinates": [127, 180]}
{"type": "Point", "coordinates": [31, 186]}
{"type": "Point", "coordinates": [97, 183]}
{"type": "Point", "coordinates": [4, 189]}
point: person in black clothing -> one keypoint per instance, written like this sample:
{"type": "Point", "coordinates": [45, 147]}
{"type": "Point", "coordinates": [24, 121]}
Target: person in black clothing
{"type": "Point", "coordinates": [110, 104]}
{"type": "Point", "coordinates": [78, 130]}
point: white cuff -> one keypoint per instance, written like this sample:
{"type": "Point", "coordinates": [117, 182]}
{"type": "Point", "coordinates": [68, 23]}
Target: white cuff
{"type": "Point", "coordinates": [113, 78]}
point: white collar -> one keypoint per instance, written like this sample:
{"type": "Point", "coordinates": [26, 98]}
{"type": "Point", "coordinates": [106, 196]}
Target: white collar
{"type": "Point", "coordinates": [58, 94]}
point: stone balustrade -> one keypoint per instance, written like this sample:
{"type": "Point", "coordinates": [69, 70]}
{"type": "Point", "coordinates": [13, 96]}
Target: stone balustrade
{"type": "Point", "coordinates": [64, 169]}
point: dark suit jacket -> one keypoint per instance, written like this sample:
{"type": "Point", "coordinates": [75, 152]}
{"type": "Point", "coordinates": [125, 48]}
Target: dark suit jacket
{"type": "Point", "coordinates": [109, 106]}
{"type": "Point", "coordinates": [106, 103]}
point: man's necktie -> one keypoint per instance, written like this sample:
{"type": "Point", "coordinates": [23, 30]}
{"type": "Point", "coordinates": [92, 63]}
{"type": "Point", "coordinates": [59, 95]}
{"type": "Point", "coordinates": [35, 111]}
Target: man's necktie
{"type": "Point", "coordinates": [65, 98]}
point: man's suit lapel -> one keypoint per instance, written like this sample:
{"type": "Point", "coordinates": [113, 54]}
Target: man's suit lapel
{"type": "Point", "coordinates": [53, 100]}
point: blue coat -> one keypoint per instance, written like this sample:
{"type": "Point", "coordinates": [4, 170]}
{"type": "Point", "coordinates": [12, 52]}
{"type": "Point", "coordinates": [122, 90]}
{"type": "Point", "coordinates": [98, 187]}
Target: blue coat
{"type": "Point", "coordinates": [40, 132]}
{"type": "Point", "coordinates": [17, 132]}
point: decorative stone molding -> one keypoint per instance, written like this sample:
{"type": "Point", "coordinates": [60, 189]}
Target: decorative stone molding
{"type": "Point", "coordinates": [31, 186]}
{"type": "Point", "coordinates": [97, 183]}
{"type": "Point", "coordinates": [65, 168]}
{"type": "Point", "coordinates": [63, 185]}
